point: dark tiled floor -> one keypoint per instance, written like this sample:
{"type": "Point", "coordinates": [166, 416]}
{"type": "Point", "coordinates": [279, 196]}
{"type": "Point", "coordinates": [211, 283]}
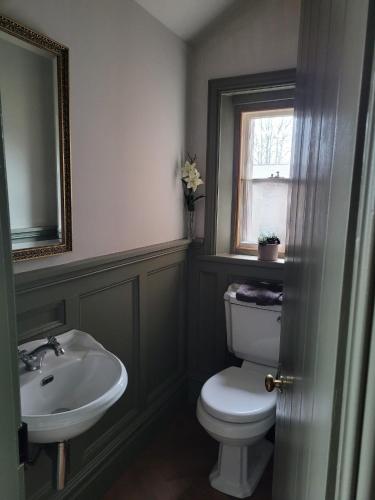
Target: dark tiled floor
{"type": "Point", "coordinates": [175, 466]}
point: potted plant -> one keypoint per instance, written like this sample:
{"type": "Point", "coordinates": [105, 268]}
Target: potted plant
{"type": "Point", "coordinates": [268, 246]}
{"type": "Point", "coordinates": [191, 180]}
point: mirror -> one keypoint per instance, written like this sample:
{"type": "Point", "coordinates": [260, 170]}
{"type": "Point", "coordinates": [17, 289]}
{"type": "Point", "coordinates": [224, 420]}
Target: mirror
{"type": "Point", "coordinates": [34, 112]}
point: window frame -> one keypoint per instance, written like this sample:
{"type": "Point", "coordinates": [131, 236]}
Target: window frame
{"type": "Point", "coordinates": [282, 84]}
{"type": "Point", "coordinates": [242, 106]}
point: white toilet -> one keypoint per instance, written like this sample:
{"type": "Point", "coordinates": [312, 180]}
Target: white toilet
{"type": "Point", "coordinates": [233, 406]}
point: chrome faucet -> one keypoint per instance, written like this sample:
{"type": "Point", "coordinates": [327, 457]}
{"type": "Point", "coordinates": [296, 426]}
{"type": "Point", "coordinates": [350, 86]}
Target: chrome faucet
{"type": "Point", "coordinates": [33, 360]}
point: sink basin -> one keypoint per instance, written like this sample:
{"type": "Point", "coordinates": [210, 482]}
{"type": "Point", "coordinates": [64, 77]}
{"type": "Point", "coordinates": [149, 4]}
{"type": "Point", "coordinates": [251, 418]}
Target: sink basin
{"type": "Point", "coordinates": [71, 392]}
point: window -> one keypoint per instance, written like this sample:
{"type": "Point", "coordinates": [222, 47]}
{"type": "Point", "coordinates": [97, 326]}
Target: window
{"type": "Point", "coordinates": [261, 175]}
{"type": "Point", "coordinates": [249, 144]}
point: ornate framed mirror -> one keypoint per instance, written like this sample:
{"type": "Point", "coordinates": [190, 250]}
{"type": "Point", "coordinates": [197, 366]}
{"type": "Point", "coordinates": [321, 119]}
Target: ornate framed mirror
{"type": "Point", "coordinates": [34, 122]}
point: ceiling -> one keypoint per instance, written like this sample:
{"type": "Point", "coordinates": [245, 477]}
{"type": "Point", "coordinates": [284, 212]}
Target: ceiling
{"type": "Point", "coordinates": [186, 18]}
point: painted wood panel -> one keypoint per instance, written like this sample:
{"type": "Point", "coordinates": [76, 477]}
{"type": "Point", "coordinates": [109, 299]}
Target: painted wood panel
{"type": "Point", "coordinates": [164, 357]}
{"type": "Point", "coordinates": [206, 321]}
{"type": "Point", "coordinates": [209, 278]}
{"type": "Point", "coordinates": [110, 314]}
{"type": "Point", "coordinates": [35, 322]}
{"type": "Point", "coordinates": [134, 303]}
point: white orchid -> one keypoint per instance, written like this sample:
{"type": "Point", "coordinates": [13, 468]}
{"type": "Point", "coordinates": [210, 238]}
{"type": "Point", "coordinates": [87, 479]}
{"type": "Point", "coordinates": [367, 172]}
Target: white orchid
{"type": "Point", "coordinates": [188, 168]}
{"type": "Point", "coordinates": [193, 181]}
{"type": "Point", "coordinates": [191, 176]}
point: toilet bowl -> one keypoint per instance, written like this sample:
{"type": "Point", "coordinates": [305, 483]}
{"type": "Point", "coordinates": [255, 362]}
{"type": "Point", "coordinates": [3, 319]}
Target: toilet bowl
{"type": "Point", "coordinates": [236, 411]}
{"type": "Point", "coordinates": [234, 407]}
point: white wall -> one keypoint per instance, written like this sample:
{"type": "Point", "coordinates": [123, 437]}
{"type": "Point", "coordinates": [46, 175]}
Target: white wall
{"type": "Point", "coordinates": [255, 36]}
{"type": "Point", "coordinates": [127, 102]}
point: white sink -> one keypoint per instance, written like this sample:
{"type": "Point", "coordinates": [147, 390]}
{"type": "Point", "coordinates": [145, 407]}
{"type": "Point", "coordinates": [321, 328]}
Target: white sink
{"type": "Point", "coordinates": [71, 392]}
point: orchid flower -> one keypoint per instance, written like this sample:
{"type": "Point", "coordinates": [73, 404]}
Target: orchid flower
{"type": "Point", "coordinates": [191, 178]}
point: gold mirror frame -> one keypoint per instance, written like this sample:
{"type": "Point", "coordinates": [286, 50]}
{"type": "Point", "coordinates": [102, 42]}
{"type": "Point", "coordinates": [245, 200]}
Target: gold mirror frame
{"type": "Point", "coordinates": [62, 56]}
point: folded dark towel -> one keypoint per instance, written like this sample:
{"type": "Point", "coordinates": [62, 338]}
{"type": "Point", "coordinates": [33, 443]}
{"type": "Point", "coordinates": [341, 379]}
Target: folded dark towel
{"type": "Point", "coordinates": [260, 295]}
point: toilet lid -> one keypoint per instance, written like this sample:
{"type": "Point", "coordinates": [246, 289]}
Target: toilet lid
{"type": "Point", "coordinates": [238, 395]}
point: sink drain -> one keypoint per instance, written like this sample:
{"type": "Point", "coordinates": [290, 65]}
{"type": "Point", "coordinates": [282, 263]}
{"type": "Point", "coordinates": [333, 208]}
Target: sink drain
{"type": "Point", "coordinates": [60, 410]}
{"type": "Point", "coordinates": [47, 380]}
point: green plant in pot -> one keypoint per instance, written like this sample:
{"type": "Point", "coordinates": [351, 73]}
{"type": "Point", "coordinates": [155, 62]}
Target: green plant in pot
{"type": "Point", "coordinates": [268, 246]}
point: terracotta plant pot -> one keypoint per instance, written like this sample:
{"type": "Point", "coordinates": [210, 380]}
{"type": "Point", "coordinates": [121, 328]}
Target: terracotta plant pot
{"type": "Point", "coordinates": [268, 252]}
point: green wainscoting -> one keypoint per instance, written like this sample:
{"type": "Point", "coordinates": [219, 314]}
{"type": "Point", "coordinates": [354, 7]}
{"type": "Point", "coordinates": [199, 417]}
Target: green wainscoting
{"type": "Point", "coordinates": [209, 277]}
{"type": "Point", "coordinates": [137, 305]}
{"type": "Point", "coordinates": [134, 303]}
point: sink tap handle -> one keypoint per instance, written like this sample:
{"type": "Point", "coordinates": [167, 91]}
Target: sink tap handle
{"type": "Point", "coordinates": [28, 359]}
{"type": "Point", "coordinates": [22, 353]}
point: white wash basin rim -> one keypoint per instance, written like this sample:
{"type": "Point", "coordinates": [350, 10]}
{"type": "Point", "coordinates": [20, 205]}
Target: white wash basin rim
{"type": "Point", "coordinates": [100, 401]}
{"type": "Point", "coordinates": [51, 421]}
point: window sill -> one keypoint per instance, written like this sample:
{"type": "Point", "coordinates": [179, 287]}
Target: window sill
{"type": "Point", "coordinates": [242, 260]}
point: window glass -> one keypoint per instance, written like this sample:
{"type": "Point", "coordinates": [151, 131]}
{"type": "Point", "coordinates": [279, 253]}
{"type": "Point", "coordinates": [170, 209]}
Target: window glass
{"type": "Point", "coordinates": [266, 145]}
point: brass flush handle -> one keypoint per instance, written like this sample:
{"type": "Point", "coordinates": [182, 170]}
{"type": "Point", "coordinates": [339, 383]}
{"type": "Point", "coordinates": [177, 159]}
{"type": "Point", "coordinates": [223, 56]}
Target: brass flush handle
{"type": "Point", "coordinates": [278, 383]}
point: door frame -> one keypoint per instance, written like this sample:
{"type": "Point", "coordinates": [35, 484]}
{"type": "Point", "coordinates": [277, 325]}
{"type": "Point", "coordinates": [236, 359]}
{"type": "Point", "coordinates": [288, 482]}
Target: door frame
{"type": "Point", "coordinates": [11, 471]}
{"type": "Point", "coordinates": [335, 443]}
{"type": "Point", "coordinates": [352, 459]}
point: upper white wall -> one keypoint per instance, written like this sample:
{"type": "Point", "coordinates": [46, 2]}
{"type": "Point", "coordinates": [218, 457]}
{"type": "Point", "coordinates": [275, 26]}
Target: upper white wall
{"type": "Point", "coordinates": [127, 103]}
{"type": "Point", "coordinates": [255, 36]}
{"type": "Point", "coordinates": [186, 18]}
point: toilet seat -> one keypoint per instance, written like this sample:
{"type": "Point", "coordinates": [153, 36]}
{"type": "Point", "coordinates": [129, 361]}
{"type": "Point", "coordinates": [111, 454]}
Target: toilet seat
{"type": "Point", "coordinates": [238, 395]}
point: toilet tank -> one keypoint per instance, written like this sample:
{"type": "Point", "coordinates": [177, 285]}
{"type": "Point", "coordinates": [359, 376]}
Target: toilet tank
{"type": "Point", "coordinates": [253, 332]}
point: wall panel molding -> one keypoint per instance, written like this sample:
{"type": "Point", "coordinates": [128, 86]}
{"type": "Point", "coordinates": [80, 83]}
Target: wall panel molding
{"type": "Point", "coordinates": [164, 358]}
{"type": "Point", "coordinates": [134, 303]}
{"type": "Point", "coordinates": [42, 320]}
{"type": "Point", "coordinates": [40, 278]}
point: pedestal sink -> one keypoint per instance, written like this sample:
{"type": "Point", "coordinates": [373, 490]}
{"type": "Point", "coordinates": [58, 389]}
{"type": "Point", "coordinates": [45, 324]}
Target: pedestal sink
{"type": "Point", "coordinates": [71, 392]}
